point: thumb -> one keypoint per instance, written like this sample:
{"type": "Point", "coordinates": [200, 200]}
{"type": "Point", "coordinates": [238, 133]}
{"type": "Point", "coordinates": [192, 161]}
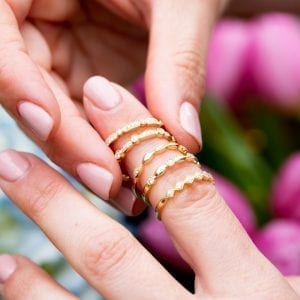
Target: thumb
{"type": "Point", "coordinates": [175, 74]}
{"type": "Point", "coordinates": [23, 90]}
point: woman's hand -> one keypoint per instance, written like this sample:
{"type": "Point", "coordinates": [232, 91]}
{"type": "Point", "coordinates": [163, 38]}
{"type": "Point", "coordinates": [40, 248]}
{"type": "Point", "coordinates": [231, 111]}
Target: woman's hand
{"type": "Point", "coordinates": [50, 48]}
{"type": "Point", "coordinates": [226, 263]}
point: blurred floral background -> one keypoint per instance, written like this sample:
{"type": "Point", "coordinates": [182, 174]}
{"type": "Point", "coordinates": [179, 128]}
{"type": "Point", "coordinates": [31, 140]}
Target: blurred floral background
{"type": "Point", "coordinates": [251, 127]}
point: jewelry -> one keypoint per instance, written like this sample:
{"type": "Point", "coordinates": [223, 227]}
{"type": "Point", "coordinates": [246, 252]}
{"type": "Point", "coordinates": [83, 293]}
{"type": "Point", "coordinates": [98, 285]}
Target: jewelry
{"type": "Point", "coordinates": [148, 157]}
{"type": "Point", "coordinates": [130, 127]}
{"type": "Point", "coordinates": [160, 171]}
{"type": "Point", "coordinates": [138, 138]}
{"type": "Point", "coordinates": [179, 187]}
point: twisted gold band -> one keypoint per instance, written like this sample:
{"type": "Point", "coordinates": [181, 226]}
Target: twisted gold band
{"type": "Point", "coordinates": [132, 126]}
{"type": "Point", "coordinates": [160, 171]}
{"type": "Point", "coordinates": [179, 187]}
{"type": "Point", "coordinates": [138, 138]}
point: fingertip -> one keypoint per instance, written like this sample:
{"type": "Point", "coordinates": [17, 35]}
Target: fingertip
{"type": "Point", "coordinates": [190, 122]}
{"type": "Point", "coordinates": [184, 124]}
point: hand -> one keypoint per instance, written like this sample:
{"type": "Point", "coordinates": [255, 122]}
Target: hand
{"type": "Point", "coordinates": [209, 237]}
{"type": "Point", "coordinates": [50, 48]}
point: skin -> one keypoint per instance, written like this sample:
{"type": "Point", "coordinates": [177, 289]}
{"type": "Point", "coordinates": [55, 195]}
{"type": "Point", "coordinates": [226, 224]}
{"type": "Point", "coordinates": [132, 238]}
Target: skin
{"type": "Point", "coordinates": [226, 263]}
{"type": "Point", "coordinates": [54, 46]}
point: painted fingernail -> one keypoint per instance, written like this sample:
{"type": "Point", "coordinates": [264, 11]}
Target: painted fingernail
{"type": "Point", "coordinates": [12, 165]}
{"type": "Point", "coordinates": [8, 266]}
{"type": "Point", "coordinates": [189, 120]}
{"type": "Point", "coordinates": [124, 201]}
{"type": "Point", "coordinates": [101, 93]}
{"type": "Point", "coordinates": [98, 179]}
{"type": "Point", "coordinates": [37, 119]}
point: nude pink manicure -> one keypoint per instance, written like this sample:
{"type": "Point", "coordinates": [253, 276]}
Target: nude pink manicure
{"type": "Point", "coordinates": [125, 201]}
{"type": "Point", "coordinates": [98, 179]}
{"type": "Point", "coordinates": [12, 165]}
{"type": "Point", "coordinates": [37, 119]}
{"type": "Point", "coordinates": [189, 120]}
{"type": "Point", "coordinates": [101, 93]}
{"type": "Point", "coordinates": [8, 266]}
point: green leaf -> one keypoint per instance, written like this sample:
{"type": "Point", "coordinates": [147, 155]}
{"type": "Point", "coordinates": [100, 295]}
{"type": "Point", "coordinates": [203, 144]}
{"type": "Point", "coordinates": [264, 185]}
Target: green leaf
{"type": "Point", "coordinates": [227, 151]}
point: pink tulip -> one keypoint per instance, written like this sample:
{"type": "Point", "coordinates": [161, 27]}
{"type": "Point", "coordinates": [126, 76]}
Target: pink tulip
{"type": "Point", "coordinates": [279, 241]}
{"type": "Point", "coordinates": [237, 202]}
{"type": "Point", "coordinates": [276, 59]}
{"type": "Point", "coordinates": [285, 196]}
{"type": "Point", "coordinates": [259, 57]}
{"type": "Point", "coordinates": [155, 237]}
{"type": "Point", "coordinates": [228, 57]}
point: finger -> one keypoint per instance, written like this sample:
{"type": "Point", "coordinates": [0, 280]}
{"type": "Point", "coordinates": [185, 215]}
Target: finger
{"type": "Point", "coordinates": [206, 232]}
{"type": "Point", "coordinates": [79, 149]}
{"type": "Point", "coordinates": [100, 250]}
{"type": "Point", "coordinates": [23, 91]}
{"type": "Point", "coordinates": [21, 279]}
{"type": "Point", "coordinates": [87, 158]}
{"type": "Point", "coordinates": [294, 281]}
{"type": "Point", "coordinates": [175, 74]}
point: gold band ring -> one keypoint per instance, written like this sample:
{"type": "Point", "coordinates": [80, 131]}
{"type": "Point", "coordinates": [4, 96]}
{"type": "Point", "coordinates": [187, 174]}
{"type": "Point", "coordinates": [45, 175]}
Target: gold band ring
{"type": "Point", "coordinates": [132, 126]}
{"type": "Point", "coordinates": [138, 138]}
{"type": "Point", "coordinates": [161, 170]}
{"type": "Point", "coordinates": [179, 187]}
{"type": "Point", "coordinates": [148, 157]}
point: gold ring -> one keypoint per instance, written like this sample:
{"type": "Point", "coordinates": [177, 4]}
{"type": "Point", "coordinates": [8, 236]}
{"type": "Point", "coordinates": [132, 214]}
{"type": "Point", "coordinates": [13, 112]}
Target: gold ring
{"type": "Point", "coordinates": [161, 170]}
{"type": "Point", "coordinates": [138, 138]}
{"type": "Point", "coordinates": [148, 157]}
{"type": "Point", "coordinates": [179, 187]}
{"type": "Point", "coordinates": [132, 126]}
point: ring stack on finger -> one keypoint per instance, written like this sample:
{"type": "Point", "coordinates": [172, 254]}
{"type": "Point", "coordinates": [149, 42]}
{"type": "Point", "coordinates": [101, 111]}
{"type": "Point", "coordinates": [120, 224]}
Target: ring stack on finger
{"type": "Point", "coordinates": [152, 128]}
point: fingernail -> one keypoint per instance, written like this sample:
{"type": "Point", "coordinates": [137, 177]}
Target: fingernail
{"type": "Point", "coordinates": [37, 119]}
{"type": "Point", "coordinates": [101, 92]}
{"type": "Point", "coordinates": [124, 201]}
{"type": "Point", "coordinates": [189, 120]}
{"type": "Point", "coordinates": [12, 165]}
{"type": "Point", "coordinates": [98, 179]}
{"type": "Point", "coordinates": [8, 266]}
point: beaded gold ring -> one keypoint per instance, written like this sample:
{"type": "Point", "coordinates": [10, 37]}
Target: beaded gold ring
{"type": "Point", "coordinates": [161, 170]}
{"type": "Point", "coordinates": [148, 157]}
{"type": "Point", "coordinates": [181, 186]}
{"type": "Point", "coordinates": [138, 138]}
{"type": "Point", "coordinates": [132, 126]}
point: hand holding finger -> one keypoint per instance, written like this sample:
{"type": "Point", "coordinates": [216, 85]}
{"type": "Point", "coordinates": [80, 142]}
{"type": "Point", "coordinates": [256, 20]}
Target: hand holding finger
{"type": "Point", "coordinates": [198, 210]}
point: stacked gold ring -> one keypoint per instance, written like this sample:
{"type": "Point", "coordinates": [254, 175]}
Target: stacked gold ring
{"type": "Point", "coordinates": [161, 170]}
{"type": "Point", "coordinates": [156, 132]}
{"type": "Point", "coordinates": [138, 138]}
{"type": "Point", "coordinates": [148, 157]}
{"type": "Point", "coordinates": [132, 126]}
{"type": "Point", "coordinates": [179, 187]}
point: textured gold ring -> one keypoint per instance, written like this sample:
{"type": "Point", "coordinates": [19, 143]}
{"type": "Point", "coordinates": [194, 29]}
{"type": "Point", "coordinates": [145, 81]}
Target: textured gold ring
{"type": "Point", "coordinates": [161, 170]}
{"type": "Point", "coordinates": [138, 138]}
{"type": "Point", "coordinates": [148, 157]}
{"type": "Point", "coordinates": [132, 126]}
{"type": "Point", "coordinates": [179, 187]}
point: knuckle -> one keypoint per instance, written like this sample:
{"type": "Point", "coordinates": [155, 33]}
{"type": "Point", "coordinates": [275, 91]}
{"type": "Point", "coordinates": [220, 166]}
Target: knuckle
{"type": "Point", "coordinates": [42, 195]}
{"type": "Point", "coordinates": [190, 64]}
{"type": "Point", "coordinates": [106, 252]}
{"type": "Point", "coordinates": [201, 199]}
